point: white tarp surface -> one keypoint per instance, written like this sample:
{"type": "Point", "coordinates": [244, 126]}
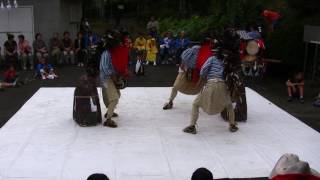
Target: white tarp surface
{"type": "Point", "coordinates": [42, 142]}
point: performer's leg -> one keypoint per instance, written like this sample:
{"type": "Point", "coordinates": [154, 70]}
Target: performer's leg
{"type": "Point", "coordinates": [194, 117]}
{"type": "Point", "coordinates": [112, 95]}
{"type": "Point", "coordinates": [231, 117]}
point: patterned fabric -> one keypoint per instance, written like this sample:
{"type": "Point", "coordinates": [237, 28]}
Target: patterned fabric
{"type": "Point", "coordinates": [243, 35]}
{"type": "Point", "coordinates": [106, 67]}
{"type": "Point", "coordinates": [212, 68]}
{"type": "Point", "coordinates": [189, 56]}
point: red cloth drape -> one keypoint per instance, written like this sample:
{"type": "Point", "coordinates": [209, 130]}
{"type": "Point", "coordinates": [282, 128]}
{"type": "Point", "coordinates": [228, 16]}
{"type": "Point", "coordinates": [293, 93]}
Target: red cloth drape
{"type": "Point", "coordinates": [204, 53]}
{"type": "Point", "coordinates": [120, 58]}
{"type": "Point", "coordinates": [296, 177]}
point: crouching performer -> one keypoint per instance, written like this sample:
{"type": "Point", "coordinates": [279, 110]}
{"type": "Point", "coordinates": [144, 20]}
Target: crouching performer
{"type": "Point", "coordinates": [214, 97]}
{"type": "Point", "coordinates": [113, 69]}
{"type": "Point", "coordinates": [186, 81]}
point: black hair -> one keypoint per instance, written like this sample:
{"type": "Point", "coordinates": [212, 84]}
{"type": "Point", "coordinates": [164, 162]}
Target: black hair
{"type": "Point", "coordinates": [10, 36]}
{"type": "Point", "coordinates": [37, 35]}
{"type": "Point", "coordinates": [21, 36]}
{"type": "Point", "coordinates": [66, 32]}
{"type": "Point", "coordinates": [98, 177]}
{"type": "Point", "coordinates": [202, 174]}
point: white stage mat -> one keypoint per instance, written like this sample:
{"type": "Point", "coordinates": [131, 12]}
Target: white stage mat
{"type": "Point", "coordinates": [42, 142]}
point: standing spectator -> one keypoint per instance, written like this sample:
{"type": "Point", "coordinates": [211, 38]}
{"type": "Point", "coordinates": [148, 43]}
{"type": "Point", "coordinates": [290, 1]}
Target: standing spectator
{"type": "Point", "coordinates": [166, 48]}
{"type": "Point", "coordinates": [140, 45]}
{"type": "Point", "coordinates": [153, 25]}
{"type": "Point", "coordinates": [11, 51]}
{"type": "Point", "coordinates": [45, 70]}
{"type": "Point", "coordinates": [25, 52]}
{"type": "Point", "coordinates": [68, 53]}
{"type": "Point", "coordinates": [295, 86]}
{"type": "Point", "coordinates": [40, 47]}
{"type": "Point", "coordinates": [80, 49]}
{"type": "Point", "coordinates": [181, 44]}
{"type": "Point", "coordinates": [152, 50]}
{"type": "Point", "coordinates": [55, 48]}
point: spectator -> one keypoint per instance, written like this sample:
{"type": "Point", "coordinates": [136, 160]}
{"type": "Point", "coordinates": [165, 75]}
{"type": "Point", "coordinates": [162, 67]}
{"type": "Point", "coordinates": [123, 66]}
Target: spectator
{"type": "Point", "coordinates": [152, 50]}
{"type": "Point", "coordinates": [40, 47]}
{"type": "Point", "coordinates": [10, 75]}
{"type": "Point", "coordinates": [166, 48]}
{"type": "Point", "coordinates": [140, 44]}
{"type": "Point", "coordinates": [202, 174]}
{"type": "Point", "coordinates": [254, 33]}
{"type": "Point", "coordinates": [45, 70]}
{"type": "Point", "coordinates": [295, 86]}
{"type": "Point", "coordinates": [80, 49]}
{"type": "Point", "coordinates": [91, 40]}
{"type": "Point", "coordinates": [289, 166]}
{"type": "Point", "coordinates": [55, 48]}
{"type": "Point", "coordinates": [68, 53]}
{"type": "Point", "coordinates": [25, 52]}
{"type": "Point", "coordinates": [98, 177]}
{"type": "Point", "coordinates": [11, 51]}
{"type": "Point", "coordinates": [153, 25]}
{"type": "Point", "coordinates": [181, 44]}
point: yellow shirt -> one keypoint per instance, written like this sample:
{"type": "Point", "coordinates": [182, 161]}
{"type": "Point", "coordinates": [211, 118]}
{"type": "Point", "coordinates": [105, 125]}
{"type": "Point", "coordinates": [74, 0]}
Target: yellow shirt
{"type": "Point", "coordinates": [140, 44]}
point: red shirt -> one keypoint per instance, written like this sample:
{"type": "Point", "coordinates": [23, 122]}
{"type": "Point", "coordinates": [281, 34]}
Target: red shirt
{"type": "Point", "coordinates": [271, 15]}
{"type": "Point", "coordinates": [10, 74]}
{"type": "Point", "coordinates": [296, 177]}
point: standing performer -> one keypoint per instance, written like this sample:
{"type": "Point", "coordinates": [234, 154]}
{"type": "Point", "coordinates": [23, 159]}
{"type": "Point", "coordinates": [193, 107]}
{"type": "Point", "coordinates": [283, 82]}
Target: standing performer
{"type": "Point", "coordinates": [215, 96]}
{"type": "Point", "coordinates": [234, 76]}
{"type": "Point", "coordinates": [113, 66]}
{"type": "Point", "coordinates": [186, 81]}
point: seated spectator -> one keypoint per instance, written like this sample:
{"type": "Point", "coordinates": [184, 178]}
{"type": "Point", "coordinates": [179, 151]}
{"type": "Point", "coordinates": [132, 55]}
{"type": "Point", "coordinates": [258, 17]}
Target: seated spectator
{"type": "Point", "coordinates": [10, 77]}
{"type": "Point", "coordinates": [140, 44]}
{"type": "Point", "coordinates": [40, 47]}
{"type": "Point", "coordinates": [254, 33]}
{"type": "Point", "coordinates": [98, 177]}
{"type": "Point", "coordinates": [45, 70]}
{"type": "Point", "coordinates": [166, 48]}
{"type": "Point", "coordinates": [181, 44]}
{"type": "Point", "coordinates": [152, 51]}
{"type": "Point", "coordinates": [25, 52]}
{"type": "Point", "coordinates": [68, 53]}
{"type": "Point", "coordinates": [11, 52]}
{"type": "Point", "coordinates": [295, 87]}
{"type": "Point", "coordinates": [80, 49]}
{"type": "Point", "coordinates": [202, 174]}
{"type": "Point", "coordinates": [55, 49]}
{"type": "Point", "coordinates": [289, 166]}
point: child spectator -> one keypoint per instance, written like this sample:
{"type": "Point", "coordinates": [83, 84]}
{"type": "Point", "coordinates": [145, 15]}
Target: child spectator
{"type": "Point", "coordinates": [10, 75]}
{"type": "Point", "coordinates": [11, 51]}
{"type": "Point", "coordinates": [40, 47]}
{"type": "Point", "coordinates": [45, 70]}
{"type": "Point", "coordinates": [25, 52]}
{"type": "Point", "coordinates": [68, 52]}
{"type": "Point", "coordinates": [139, 68]}
{"type": "Point", "coordinates": [166, 48]}
{"type": "Point", "coordinates": [295, 86]}
{"type": "Point", "coordinates": [152, 51]}
{"type": "Point", "coordinates": [140, 44]}
{"type": "Point", "coordinates": [55, 48]}
{"type": "Point", "coordinates": [80, 50]}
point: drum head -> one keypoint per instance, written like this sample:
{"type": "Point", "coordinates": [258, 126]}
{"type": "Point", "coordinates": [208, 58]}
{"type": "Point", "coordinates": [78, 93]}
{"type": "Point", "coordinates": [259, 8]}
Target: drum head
{"type": "Point", "coordinates": [252, 48]}
{"type": "Point", "coordinates": [249, 58]}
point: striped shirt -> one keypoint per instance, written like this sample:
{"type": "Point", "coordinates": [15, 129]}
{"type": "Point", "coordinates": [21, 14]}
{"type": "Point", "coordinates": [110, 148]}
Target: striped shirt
{"type": "Point", "coordinates": [106, 67]}
{"type": "Point", "coordinates": [189, 56]}
{"type": "Point", "coordinates": [212, 68]}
